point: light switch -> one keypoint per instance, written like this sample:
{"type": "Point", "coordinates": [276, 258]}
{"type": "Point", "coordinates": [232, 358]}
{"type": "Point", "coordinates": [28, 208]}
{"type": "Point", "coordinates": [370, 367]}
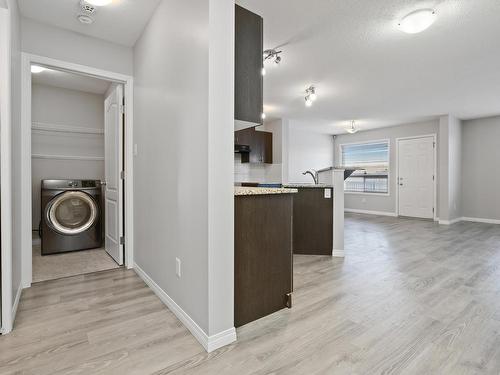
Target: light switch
{"type": "Point", "coordinates": [328, 193]}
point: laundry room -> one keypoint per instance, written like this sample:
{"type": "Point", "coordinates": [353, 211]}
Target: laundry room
{"type": "Point", "coordinates": [71, 156]}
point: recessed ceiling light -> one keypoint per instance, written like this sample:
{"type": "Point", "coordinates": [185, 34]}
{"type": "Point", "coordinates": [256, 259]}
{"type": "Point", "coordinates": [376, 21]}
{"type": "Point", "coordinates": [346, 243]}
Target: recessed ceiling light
{"type": "Point", "coordinates": [37, 69]}
{"type": "Point", "coordinates": [99, 3]}
{"type": "Point", "coordinates": [417, 21]}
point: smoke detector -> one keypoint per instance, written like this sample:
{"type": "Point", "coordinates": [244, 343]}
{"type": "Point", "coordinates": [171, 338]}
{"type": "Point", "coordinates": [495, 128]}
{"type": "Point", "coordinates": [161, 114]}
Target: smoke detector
{"type": "Point", "coordinates": [86, 11]}
{"type": "Point", "coordinates": [86, 20]}
{"type": "Point", "coordinates": [87, 8]}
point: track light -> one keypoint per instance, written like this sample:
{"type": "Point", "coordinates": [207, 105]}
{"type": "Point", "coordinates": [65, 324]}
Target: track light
{"type": "Point", "coordinates": [272, 54]}
{"type": "Point", "coordinates": [310, 96]}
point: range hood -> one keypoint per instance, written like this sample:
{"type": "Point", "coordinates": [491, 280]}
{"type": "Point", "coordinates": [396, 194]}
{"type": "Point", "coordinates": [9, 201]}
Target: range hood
{"type": "Point", "coordinates": [240, 125]}
{"type": "Point", "coordinates": [241, 149]}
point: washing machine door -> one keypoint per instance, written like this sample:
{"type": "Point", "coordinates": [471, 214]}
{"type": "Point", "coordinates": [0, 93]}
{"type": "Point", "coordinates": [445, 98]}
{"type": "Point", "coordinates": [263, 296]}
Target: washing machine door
{"type": "Point", "coordinates": [71, 212]}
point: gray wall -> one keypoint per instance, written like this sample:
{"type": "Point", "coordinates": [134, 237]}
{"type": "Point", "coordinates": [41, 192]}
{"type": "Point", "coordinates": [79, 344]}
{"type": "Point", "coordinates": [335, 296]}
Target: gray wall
{"type": "Point", "coordinates": [69, 108]}
{"type": "Point", "coordinates": [481, 160]}
{"type": "Point", "coordinates": [383, 203]}
{"type": "Point", "coordinates": [183, 172]}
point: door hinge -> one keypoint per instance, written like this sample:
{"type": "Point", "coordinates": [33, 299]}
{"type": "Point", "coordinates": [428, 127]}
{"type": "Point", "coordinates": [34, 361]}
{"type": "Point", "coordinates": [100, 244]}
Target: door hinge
{"type": "Point", "coordinates": [122, 108]}
{"type": "Point", "coordinates": [432, 209]}
{"type": "Point", "coordinates": [433, 144]}
{"type": "Point", "coordinates": [433, 177]}
{"type": "Point", "coordinates": [122, 175]}
{"type": "Point", "coordinates": [122, 240]}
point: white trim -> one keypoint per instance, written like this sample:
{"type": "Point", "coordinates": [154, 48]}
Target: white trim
{"type": "Point", "coordinates": [26, 125]}
{"type": "Point", "coordinates": [480, 220]}
{"type": "Point", "coordinates": [58, 128]}
{"type": "Point", "coordinates": [16, 302]}
{"type": "Point", "coordinates": [434, 136]}
{"type": "Point", "coordinates": [368, 212]}
{"type": "Point", "coordinates": [6, 172]}
{"type": "Point", "coordinates": [210, 343]}
{"type": "Point", "coordinates": [338, 253]}
{"type": "Point", "coordinates": [450, 222]}
{"type": "Point", "coordinates": [67, 157]}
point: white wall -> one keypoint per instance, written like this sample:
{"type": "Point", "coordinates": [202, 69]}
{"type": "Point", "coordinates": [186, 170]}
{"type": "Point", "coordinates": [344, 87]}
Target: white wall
{"type": "Point", "coordinates": [16, 150]}
{"type": "Point", "coordinates": [450, 168]}
{"type": "Point", "coordinates": [481, 160]}
{"type": "Point", "coordinates": [382, 203]}
{"type": "Point", "coordinates": [66, 108]}
{"type": "Point", "coordinates": [183, 173]}
{"type": "Point", "coordinates": [45, 40]}
{"type": "Point", "coordinates": [305, 150]}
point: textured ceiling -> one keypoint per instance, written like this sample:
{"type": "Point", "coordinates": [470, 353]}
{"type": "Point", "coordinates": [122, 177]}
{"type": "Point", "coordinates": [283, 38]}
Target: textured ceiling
{"type": "Point", "coordinates": [121, 22]}
{"type": "Point", "coordinates": [70, 81]}
{"type": "Point", "coordinates": [364, 68]}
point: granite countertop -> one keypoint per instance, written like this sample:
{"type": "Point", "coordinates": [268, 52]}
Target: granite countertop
{"type": "Point", "coordinates": [244, 190]}
{"type": "Point", "coordinates": [309, 186]}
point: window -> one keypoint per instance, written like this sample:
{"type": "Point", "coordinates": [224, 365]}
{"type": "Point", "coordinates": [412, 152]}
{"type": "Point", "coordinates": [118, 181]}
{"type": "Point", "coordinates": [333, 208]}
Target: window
{"type": "Point", "coordinates": [372, 161]}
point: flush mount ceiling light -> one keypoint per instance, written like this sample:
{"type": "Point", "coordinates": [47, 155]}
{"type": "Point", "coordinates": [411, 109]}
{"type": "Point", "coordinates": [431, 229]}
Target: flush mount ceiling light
{"type": "Point", "coordinates": [352, 129]}
{"type": "Point", "coordinates": [310, 96]}
{"type": "Point", "coordinates": [417, 21]}
{"type": "Point", "coordinates": [37, 69]}
{"type": "Point", "coordinates": [99, 3]}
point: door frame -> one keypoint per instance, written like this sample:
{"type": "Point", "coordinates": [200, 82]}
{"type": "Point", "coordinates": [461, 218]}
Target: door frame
{"type": "Point", "coordinates": [434, 137]}
{"type": "Point", "coordinates": [7, 308]}
{"type": "Point", "coordinates": [26, 123]}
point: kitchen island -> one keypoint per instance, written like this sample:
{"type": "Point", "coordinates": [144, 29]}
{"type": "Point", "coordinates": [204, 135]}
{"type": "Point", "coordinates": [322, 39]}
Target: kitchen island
{"type": "Point", "coordinates": [263, 264]}
{"type": "Point", "coordinates": [312, 219]}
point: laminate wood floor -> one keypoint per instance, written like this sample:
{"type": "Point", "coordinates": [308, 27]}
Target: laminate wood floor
{"type": "Point", "coordinates": [411, 297]}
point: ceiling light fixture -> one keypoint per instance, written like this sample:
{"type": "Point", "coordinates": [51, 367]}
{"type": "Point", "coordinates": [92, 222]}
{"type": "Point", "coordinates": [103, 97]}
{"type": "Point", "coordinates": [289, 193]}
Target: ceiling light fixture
{"type": "Point", "coordinates": [99, 3]}
{"type": "Point", "coordinates": [86, 20]}
{"type": "Point", "coordinates": [310, 96]}
{"type": "Point", "coordinates": [272, 54]}
{"type": "Point", "coordinates": [417, 21]}
{"type": "Point", "coordinates": [37, 69]}
{"type": "Point", "coordinates": [352, 129]}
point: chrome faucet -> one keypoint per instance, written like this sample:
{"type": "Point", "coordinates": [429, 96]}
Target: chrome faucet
{"type": "Point", "coordinates": [314, 175]}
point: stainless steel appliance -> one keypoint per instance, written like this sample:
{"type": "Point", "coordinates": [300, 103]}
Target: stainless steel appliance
{"type": "Point", "coordinates": [71, 215]}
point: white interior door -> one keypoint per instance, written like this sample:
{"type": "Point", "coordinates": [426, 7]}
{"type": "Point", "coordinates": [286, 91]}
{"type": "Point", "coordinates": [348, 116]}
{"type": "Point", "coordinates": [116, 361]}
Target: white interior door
{"type": "Point", "coordinates": [416, 177]}
{"type": "Point", "coordinates": [113, 167]}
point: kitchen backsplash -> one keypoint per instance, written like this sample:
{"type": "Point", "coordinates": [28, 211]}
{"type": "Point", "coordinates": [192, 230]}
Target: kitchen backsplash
{"type": "Point", "coordinates": [262, 173]}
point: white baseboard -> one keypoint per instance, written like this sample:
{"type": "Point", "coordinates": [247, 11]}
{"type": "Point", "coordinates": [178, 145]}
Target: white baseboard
{"type": "Point", "coordinates": [450, 222]}
{"type": "Point", "coordinates": [480, 220]}
{"type": "Point", "coordinates": [210, 343]}
{"type": "Point", "coordinates": [338, 253]}
{"type": "Point", "coordinates": [368, 212]}
{"type": "Point", "coordinates": [16, 302]}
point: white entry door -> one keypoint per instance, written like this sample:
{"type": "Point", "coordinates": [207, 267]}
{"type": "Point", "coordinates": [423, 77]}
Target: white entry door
{"type": "Point", "coordinates": [416, 177]}
{"type": "Point", "coordinates": [113, 167]}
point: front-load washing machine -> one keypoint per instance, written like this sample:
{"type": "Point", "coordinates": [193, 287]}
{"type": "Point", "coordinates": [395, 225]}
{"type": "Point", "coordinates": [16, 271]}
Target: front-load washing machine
{"type": "Point", "coordinates": [71, 215]}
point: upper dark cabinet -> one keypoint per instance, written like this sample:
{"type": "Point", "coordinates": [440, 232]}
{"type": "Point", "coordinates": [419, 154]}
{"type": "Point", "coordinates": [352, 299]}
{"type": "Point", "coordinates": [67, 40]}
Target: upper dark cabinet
{"type": "Point", "coordinates": [260, 143]}
{"type": "Point", "coordinates": [248, 95]}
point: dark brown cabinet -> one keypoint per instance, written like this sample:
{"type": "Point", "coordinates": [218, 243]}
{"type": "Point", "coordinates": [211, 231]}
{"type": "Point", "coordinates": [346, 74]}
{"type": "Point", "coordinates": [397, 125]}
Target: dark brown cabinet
{"type": "Point", "coordinates": [260, 142]}
{"type": "Point", "coordinates": [313, 222]}
{"type": "Point", "coordinates": [248, 94]}
{"type": "Point", "coordinates": [263, 266]}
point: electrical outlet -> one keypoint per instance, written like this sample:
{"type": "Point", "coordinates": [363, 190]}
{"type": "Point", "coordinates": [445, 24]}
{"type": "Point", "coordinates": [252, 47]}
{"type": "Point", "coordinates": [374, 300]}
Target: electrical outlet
{"type": "Point", "coordinates": [178, 267]}
{"type": "Point", "coordinates": [328, 193]}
